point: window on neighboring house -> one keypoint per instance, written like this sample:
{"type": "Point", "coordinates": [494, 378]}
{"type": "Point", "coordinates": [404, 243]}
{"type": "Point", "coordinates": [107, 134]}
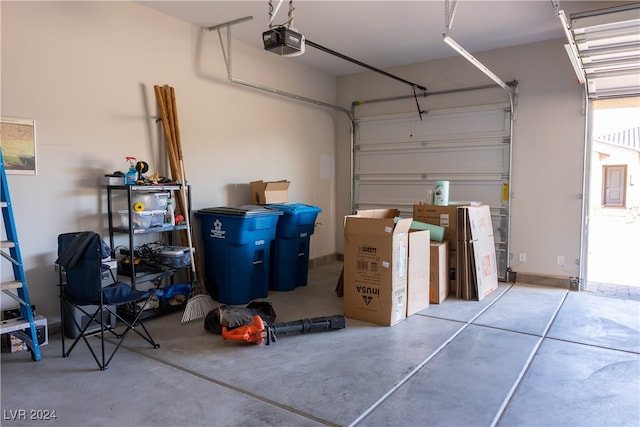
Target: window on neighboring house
{"type": "Point", "coordinates": [614, 186]}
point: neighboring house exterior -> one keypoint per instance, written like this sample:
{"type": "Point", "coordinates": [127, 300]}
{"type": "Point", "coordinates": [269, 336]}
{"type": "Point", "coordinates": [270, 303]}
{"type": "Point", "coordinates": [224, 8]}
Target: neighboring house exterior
{"type": "Point", "coordinates": [615, 166]}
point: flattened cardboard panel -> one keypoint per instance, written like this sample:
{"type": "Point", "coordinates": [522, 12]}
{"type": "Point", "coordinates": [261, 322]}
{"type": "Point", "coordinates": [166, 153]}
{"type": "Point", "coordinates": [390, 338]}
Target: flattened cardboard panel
{"type": "Point", "coordinates": [486, 271]}
{"type": "Point", "coordinates": [438, 272]}
{"type": "Point", "coordinates": [418, 275]}
{"type": "Point", "coordinates": [477, 272]}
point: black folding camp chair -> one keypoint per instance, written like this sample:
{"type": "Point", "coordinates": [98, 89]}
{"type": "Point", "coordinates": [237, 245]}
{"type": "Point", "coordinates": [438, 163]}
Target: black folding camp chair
{"type": "Point", "coordinates": [80, 258]}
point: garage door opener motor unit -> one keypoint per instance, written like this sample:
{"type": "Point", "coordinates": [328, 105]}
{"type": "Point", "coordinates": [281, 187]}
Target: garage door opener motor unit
{"type": "Point", "coordinates": [283, 41]}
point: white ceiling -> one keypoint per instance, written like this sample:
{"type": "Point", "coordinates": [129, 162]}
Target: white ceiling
{"type": "Point", "coordinates": [387, 33]}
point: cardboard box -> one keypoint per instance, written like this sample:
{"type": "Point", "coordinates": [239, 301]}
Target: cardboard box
{"type": "Point", "coordinates": [264, 192]}
{"type": "Point", "coordinates": [447, 217]}
{"type": "Point", "coordinates": [444, 216]}
{"type": "Point", "coordinates": [418, 279]}
{"type": "Point", "coordinates": [477, 270]}
{"type": "Point", "coordinates": [439, 272]}
{"type": "Point", "coordinates": [375, 266]}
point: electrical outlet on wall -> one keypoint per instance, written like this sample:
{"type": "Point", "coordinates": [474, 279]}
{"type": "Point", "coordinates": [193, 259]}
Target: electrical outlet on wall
{"type": "Point", "coordinates": [522, 257]}
{"type": "Point", "coordinates": [560, 260]}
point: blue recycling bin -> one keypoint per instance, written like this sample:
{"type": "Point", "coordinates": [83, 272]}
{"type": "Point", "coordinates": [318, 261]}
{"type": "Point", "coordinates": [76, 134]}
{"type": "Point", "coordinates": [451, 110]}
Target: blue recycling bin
{"type": "Point", "coordinates": [237, 246]}
{"type": "Point", "coordinates": [290, 248]}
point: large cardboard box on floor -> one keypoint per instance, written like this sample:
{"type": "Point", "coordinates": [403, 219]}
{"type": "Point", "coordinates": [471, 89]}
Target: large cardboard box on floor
{"type": "Point", "coordinates": [375, 266]}
{"type": "Point", "coordinates": [418, 271]}
{"type": "Point", "coordinates": [264, 192]}
{"type": "Point", "coordinates": [439, 272]}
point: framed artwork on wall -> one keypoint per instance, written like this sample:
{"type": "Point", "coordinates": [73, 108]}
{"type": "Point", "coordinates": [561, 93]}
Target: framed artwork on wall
{"type": "Point", "coordinates": [18, 142]}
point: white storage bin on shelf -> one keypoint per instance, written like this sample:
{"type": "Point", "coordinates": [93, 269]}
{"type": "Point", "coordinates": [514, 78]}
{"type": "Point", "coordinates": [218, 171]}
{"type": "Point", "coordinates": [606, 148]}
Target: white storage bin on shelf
{"type": "Point", "coordinates": [144, 219]}
{"type": "Point", "coordinates": [151, 201]}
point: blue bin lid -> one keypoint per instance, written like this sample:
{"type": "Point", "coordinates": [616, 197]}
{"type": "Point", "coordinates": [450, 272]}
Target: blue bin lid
{"type": "Point", "coordinates": [244, 210]}
{"type": "Point", "coordinates": [295, 208]}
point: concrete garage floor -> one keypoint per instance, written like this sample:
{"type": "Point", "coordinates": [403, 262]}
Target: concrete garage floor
{"type": "Point", "coordinates": [524, 356]}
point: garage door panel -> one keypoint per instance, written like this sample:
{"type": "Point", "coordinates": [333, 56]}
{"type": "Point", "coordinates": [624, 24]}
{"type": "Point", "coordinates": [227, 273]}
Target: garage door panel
{"type": "Point", "coordinates": [488, 159]}
{"type": "Point", "coordinates": [458, 124]}
{"type": "Point", "coordinates": [417, 143]}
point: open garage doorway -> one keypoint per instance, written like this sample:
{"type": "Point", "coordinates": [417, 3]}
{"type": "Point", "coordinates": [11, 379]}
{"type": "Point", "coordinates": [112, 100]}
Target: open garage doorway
{"type": "Point", "coordinates": [613, 228]}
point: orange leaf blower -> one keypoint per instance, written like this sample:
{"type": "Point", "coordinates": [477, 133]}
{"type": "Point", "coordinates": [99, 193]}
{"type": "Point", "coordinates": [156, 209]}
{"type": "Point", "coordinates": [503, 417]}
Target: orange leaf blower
{"type": "Point", "coordinates": [254, 332]}
{"type": "Point", "coordinates": [258, 332]}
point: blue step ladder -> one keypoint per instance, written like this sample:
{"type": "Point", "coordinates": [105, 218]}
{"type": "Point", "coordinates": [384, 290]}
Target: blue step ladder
{"type": "Point", "coordinates": [24, 327]}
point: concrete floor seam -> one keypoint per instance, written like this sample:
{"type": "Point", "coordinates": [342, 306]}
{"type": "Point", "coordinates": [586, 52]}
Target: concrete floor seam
{"type": "Point", "coordinates": [498, 328]}
{"type": "Point", "coordinates": [527, 364]}
{"type": "Point", "coordinates": [432, 316]}
{"type": "Point", "coordinates": [422, 364]}
{"type": "Point", "coordinates": [603, 347]}
{"type": "Point", "coordinates": [435, 316]}
{"type": "Point", "coordinates": [234, 388]}
{"type": "Point", "coordinates": [406, 378]}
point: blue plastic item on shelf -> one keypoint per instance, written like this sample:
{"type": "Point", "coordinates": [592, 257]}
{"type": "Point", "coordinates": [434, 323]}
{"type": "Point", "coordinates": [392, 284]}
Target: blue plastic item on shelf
{"type": "Point", "coordinates": [237, 243]}
{"type": "Point", "coordinates": [290, 248]}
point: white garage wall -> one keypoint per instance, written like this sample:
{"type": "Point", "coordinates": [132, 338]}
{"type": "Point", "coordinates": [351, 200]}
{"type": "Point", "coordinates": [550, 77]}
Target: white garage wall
{"type": "Point", "coordinates": [85, 72]}
{"type": "Point", "coordinates": [547, 149]}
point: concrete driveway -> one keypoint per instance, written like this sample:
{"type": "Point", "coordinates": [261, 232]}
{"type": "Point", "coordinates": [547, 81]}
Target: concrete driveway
{"type": "Point", "coordinates": [614, 248]}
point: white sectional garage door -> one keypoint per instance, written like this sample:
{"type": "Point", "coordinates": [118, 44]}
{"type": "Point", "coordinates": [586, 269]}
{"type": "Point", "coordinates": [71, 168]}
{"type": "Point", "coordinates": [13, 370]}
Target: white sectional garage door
{"type": "Point", "coordinates": [398, 158]}
{"type": "Point", "coordinates": [608, 42]}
